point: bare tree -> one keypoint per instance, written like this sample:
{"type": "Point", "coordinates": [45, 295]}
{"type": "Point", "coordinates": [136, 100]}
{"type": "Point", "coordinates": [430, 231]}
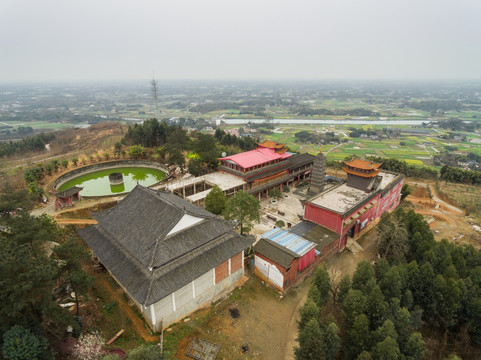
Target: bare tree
{"type": "Point", "coordinates": [392, 237]}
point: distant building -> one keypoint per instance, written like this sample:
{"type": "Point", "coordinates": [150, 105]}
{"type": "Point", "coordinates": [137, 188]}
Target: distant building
{"type": "Point", "coordinates": [234, 132]}
{"type": "Point", "coordinates": [170, 256]}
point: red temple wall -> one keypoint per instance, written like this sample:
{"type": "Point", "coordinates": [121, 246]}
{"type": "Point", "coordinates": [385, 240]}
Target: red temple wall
{"type": "Point", "coordinates": [323, 217]}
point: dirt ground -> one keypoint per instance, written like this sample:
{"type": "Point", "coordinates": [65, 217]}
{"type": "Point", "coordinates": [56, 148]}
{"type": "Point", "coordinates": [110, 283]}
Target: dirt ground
{"type": "Point", "coordinates": [290, 204]}
{"type": "Point", "coordinates": [445, 220]}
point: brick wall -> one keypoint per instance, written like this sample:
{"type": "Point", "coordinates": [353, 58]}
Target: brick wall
{"type": "Point", "coordinates": [236, 262]}
{"type": "Point", "coordinates": [221, 271]}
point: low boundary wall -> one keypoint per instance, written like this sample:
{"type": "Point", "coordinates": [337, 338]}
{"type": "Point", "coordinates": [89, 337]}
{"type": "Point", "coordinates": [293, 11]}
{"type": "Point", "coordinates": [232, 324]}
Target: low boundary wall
{"type": "Point", "coordinates": [108, 165]}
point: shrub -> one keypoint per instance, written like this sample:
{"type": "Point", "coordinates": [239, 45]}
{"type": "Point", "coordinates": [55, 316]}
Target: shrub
{"type": "Point", "coordinates": [20, 344]}
{"type": "Point", "coordinates": [145, 352]}
{"type": "Point", "coordinates": [275, 193]}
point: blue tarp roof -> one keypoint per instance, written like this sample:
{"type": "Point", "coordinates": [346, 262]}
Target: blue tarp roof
{"type": "Point", "coordinates": [291, 241]}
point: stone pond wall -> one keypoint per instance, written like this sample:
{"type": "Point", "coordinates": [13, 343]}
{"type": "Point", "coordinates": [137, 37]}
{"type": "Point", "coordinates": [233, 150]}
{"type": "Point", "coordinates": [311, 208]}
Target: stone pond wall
{"type": "Point", "coordinates": [107, 165]}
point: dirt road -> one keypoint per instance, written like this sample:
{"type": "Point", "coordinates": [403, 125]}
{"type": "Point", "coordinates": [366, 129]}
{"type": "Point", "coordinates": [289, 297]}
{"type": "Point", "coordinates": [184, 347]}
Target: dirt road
{"type": "Point", "coordinates": [117, 295]}
{"type": "Point", "coordinates": [445, 220]}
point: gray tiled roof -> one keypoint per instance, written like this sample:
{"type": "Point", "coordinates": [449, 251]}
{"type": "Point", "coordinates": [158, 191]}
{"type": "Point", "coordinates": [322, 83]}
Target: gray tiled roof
{"type": "Point", "coordinates": [301, 159]}
{"type": "Point", "coordinates": [131, 241]}
{"type": "Point", "coordinates": [318, 234]}
{"type": "Point", "coordinates": [277, 253]}
{"type": "Point", "coordinates": [68, 192]}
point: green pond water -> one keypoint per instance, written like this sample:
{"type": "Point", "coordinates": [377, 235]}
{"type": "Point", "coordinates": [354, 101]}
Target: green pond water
{"type": "Point", "coordinates": [97, 183]}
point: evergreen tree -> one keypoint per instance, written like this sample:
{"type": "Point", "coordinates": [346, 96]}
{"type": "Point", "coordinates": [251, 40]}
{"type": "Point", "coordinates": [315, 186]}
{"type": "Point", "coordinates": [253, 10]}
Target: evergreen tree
{"type": "Point", "coordinates": [354, 304]}
{"type": "Point", "coordinates": [414, 348]}
{"type": "Point", "coordinates": [358, 338]}
{"type": "Point", "coordinates": [215, 200]}
{"type": "Point", "coordinates": [310, 342]}
{"type": "Point", "coordinates": [322, 282]}
{"type": "Point", "coordinates": [364, 273]}
{"type": "Point", "coordinates": [364, 356]}
{"type": "Point", "coordinates": [27, 276]}
{"type": "Point", "coordinates": [331, 342]}
{"type": "Point", "coordinates": [21, 344]}
{"type": "Point", "coordinates": [376, 309]}
{"type": "Point", "coordinates": [387, 349]}
{"type": "Point", "coordinates": [344, 287]}
{"type": "Point", "coordinates": [309, 311]}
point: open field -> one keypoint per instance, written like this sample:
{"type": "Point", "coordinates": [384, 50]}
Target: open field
{"type": "Point", "coordinates": [39, 125]}
{"type": "Point", "coordinates": [414, 149]}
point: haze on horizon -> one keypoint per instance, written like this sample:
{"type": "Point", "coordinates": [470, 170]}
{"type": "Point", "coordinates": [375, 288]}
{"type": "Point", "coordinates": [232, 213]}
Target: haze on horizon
{"type": "Point", "coordinates": [53, 40]}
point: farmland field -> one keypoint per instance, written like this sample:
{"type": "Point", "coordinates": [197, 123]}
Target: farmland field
{"type": "Point", "coordinates": [414, 149]}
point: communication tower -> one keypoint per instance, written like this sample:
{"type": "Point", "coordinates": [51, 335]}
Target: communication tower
{"type": "Point", "coordinates": [155, 97]}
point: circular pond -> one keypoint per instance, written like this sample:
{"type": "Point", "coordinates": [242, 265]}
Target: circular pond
{"type": "Point", "coordinates": [97, 183]}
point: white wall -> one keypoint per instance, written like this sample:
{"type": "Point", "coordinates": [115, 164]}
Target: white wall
{"type": "Point", "coordinates": [185, 303]}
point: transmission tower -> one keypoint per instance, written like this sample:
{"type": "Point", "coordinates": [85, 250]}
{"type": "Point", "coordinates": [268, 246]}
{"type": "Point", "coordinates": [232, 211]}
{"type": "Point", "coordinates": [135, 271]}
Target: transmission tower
{"type": "Point", "coordinates": [155, 97]}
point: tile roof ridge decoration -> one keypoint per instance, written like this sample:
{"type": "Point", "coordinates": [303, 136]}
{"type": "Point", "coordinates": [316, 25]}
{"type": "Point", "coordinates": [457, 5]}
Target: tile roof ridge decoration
{"type": "Point", "coordinates": [156, 245]}
{"type": "Point", "coordinates": [162, 235]}
{"type": "Point", "coordinates": [158, 194]}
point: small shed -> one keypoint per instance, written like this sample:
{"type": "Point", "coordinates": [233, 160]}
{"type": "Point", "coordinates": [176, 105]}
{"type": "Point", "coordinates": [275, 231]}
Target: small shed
{"type": "Point", "coordinates": [282, 257]}
{"type": "Point", "coordinates": [66, 197]}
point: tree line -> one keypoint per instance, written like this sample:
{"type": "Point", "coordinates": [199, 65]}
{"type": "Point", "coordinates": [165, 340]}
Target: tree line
{"type": "Point", "coordinates": [418, 286]}
{"type": "Point", "coordinates": [455, 174]}
{"type": "Point", "coordinates": [32, 143]}
{"type": "Point", "coordinates": [171, 141]}
{"type": "Point", "coordinates": [29, 278]}
{"type": "Point", "coordinates": [307, 111]}
{"type": "Point", "coordinates": [34, 280]}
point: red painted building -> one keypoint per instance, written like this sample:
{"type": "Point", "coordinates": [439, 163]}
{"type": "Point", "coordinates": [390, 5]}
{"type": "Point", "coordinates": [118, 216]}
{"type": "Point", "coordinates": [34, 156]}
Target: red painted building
{"type": "Point", "coordinates": [356, 204]}
{"type": "Point", "coordinates": [66, 197]}
{"type": "Point", "coordinates": [282, 258]}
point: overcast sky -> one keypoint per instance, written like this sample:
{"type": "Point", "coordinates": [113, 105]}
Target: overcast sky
{"type": "Point", "coordinates": [65, 40]}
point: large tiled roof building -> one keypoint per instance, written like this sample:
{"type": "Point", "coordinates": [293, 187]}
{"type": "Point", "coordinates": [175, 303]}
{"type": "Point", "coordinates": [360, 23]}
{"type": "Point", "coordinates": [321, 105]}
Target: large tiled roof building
{"type": "Point", "coordinates": [170, 256]}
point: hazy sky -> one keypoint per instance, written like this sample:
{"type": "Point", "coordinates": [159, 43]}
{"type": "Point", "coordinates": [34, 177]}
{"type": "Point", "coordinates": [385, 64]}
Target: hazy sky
{"type": "Point", "coordinates": [64, 40]}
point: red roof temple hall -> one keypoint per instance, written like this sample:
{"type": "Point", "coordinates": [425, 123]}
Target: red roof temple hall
{"type": "Point", "coordinates": [267, 167]}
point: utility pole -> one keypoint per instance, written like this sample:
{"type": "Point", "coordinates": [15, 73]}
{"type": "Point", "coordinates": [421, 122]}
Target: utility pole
{"type": "Point", "coordinates": [161, 336]}
{"type": "Point", "coordinates": [155, 96]}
